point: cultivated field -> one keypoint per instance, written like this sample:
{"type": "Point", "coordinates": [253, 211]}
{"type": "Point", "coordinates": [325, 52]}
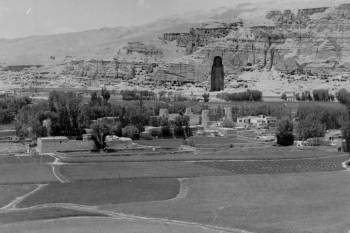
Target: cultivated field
{"type": "Point", "coordinates": [254, 187]}
{"type": "Point", "coordinates": [279, 203]}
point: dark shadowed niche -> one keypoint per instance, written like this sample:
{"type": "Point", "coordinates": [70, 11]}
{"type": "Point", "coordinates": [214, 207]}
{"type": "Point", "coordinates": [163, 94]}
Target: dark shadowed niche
{"type": "Point", "coordinates": [217, 75]}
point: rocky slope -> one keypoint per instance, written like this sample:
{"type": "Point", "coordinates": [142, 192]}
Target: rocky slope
{"type": "Point", "coordinates": [104, 43]}
{"type": "Point", "coordinates": [274, 52]}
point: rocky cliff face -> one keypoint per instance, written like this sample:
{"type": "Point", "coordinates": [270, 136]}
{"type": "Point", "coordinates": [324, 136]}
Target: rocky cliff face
{"type": "Point", "coordinates": [118, 69]}
{"type": "Point", "coordinates": [320, 45]}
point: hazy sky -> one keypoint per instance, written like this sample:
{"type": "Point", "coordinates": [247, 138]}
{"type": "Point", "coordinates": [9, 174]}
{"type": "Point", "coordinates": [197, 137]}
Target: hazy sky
{"type": "Point", "coordinates": [35, 17]}
{"type": "Point", "coordinates": [19, 18]}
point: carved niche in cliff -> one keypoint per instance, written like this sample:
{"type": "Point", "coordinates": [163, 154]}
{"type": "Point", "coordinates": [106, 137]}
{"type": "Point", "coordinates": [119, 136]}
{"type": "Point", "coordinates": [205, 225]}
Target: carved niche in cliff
{"type": "Point", "coordinates": [217, 75]}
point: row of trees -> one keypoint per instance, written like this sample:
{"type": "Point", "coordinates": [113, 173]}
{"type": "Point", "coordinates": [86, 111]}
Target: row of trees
{"type": "Point", "coordinates": [249, 95]}
{"type": "Point", "coordinates": [316, 95]}
{"type": "Point", "coordinates": [137, 95]}
{"type": "Point", "coordinates": [150, 95]}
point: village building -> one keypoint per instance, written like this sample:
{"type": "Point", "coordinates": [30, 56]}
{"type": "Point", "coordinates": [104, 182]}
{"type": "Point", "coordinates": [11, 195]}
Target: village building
{"type": "Point", "coordinates": [60, 144]}
{"type": "Point", "coordinates": [256, 122]}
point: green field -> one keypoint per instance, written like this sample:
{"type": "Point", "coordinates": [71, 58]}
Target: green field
{"type": "Point", "coordinates": [9, 192]}
{"type": "Point", "coordinates": [26, 173]}
{"type": "Point", "coordinates": [280, 203]}
{"type": "Point", "coordinates": [104, 192]}
{"type": "Point", "coordinates": [254, 187]}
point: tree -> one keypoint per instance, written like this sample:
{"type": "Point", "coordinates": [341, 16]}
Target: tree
{"type": "Point", "coordinates": [321, 95]}
{"type": "Point", "coordinates": [346, 132]}
{"type": "Point", "coordinates": [29, 121]}
{"type": "Point", "coordinates": [284, 132]}
{"type": "Point", "coordinates": [105, 95]}
{"type": "Point", "coordinates": [343, 96]}
{"type": "Point", "coordinates": [182, 128]}
{"type": "Point", "coordinates": [67, 106]}
{"type": "Point", "coordinates": [99, 131]}
{"type": "Point", "coordinates": [95, 99]}
{"type": "Point", "coordinates": [165, 128]}
{"type": "Point", "coordinates": [284, 96]}
{"type": "Point", "coordinates": [206, 97]}
{"type": "Point", "coordinates": [310, 127]}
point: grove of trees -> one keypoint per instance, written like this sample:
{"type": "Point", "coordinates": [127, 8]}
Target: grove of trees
{"type": "Point", "coordinates": [315, 119]}
{"type": "Point", "coordinates": [249, 95]}
{"type": "Point", "coordinates": [9, 106]}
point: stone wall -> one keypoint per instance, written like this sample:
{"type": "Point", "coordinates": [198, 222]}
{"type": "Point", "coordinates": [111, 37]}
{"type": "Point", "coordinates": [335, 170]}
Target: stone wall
{"type": "Point", "coordinates": [56, 144]}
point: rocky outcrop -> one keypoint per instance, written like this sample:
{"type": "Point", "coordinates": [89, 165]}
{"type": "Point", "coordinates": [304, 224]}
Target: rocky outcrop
{"type": "Point", "coordinates": [108, 69]}
{"type": "Point", "coordinates": [175, 73]}
{"type": "Point", "coordinates": [141, 48]}
{"type": "Point", "coordinates": [312, 41]}
{"type": "Point", "coordinates": [203, 35]}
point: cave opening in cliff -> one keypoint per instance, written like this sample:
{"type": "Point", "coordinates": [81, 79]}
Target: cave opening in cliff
{"type": "Point", "coordinates": [217, 75]}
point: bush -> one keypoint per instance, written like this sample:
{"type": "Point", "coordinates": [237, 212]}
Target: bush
{"type": "Point", "coordinates": [156, 132]}
{"type": "Point", "coordinates": [206, 97]}
{"type": "Point", "coordinates": [6, 116]}
{"type": "Point", "coordinates": [284, 132]}
{"type": "Point", "coordinates": [228, 123]}
{"type": "Point", "coordinates": [131, 131]}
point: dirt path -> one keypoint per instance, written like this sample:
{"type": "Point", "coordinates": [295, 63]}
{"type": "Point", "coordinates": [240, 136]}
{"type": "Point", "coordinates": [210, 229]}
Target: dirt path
{"type": "Point", "coordinates": [129, 217]}
{"type": "Point", "coordinates": [56, 170]}
{"type": "Point", "coordinates": [12, 205]}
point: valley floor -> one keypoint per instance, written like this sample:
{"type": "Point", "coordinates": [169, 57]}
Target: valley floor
{"type": "Point", "coordinates": [267, 190]}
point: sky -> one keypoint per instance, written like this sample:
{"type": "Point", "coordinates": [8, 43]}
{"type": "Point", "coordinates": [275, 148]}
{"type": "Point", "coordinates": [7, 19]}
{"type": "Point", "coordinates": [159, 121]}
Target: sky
{"type": "Point", "coordinates": [20, 18]}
